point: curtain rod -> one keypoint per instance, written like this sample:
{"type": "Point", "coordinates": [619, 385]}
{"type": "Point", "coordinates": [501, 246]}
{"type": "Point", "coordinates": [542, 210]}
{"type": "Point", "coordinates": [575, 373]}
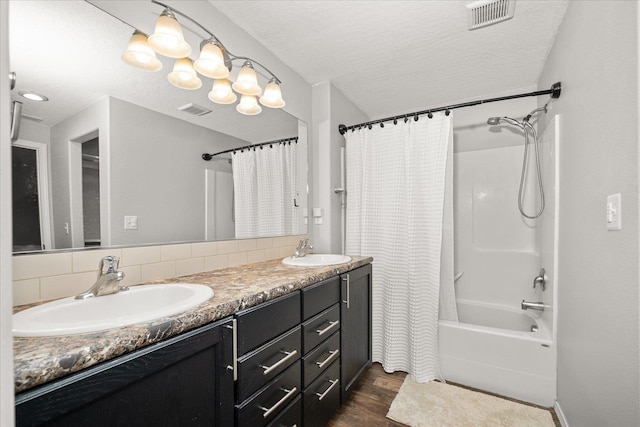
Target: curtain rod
{"type": "Point", "coordinates": [207, 156]}
{"type": "Point", "coordinates": [555, 90]}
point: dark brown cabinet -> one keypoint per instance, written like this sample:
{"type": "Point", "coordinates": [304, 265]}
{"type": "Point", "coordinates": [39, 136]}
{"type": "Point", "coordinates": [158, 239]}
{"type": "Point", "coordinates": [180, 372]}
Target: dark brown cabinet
{"type": "Point", "coordinates": [183, 381]}
{"type": "Point", "coordinates": [355, 327]}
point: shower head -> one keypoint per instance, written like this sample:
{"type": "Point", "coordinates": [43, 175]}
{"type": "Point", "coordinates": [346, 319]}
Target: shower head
{"type": "Point", "coordinates": [494, 121]}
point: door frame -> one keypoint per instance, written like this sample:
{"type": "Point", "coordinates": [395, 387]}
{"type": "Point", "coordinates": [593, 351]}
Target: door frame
{"type": "Point", "coordinates": [42, 167]}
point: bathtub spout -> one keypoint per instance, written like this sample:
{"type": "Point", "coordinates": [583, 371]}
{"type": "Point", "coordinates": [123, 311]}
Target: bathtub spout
{"type": "Point", "coordinates": [526, 305]}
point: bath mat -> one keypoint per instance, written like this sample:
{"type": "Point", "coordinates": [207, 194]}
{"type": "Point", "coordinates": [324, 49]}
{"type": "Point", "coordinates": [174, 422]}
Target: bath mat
{"type": "Point", "coordinates": [435, 404]}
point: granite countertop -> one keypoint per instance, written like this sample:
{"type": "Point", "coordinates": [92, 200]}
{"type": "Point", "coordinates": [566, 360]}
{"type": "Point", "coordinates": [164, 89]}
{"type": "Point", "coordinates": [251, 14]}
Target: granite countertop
{"type": "Point", "coordinates": [39, 360]}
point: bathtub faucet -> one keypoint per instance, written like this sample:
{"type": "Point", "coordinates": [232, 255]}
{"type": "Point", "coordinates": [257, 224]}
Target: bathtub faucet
{"type": "Point", "coordinates": [532, 305]}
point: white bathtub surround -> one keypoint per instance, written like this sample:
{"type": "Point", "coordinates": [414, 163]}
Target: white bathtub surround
{"type": "Point", "coordinates": [264, 182]}
{"type": "Point", "coordinates": [396, 191]}
{"type": "Point", "coordinates": [493, 348]}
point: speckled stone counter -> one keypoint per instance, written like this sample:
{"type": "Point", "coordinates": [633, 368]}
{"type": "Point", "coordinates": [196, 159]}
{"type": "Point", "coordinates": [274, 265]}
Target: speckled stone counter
{"type": "Point", "coordinates": [42, 359]}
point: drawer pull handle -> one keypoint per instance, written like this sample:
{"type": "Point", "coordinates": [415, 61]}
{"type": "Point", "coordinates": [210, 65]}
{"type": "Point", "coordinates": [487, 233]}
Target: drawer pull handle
{"type": "Point", "coordinates": [289, 356]}
{"type": "Point", "coordinates": [275, 407]}
{"type": "Point", "coordinates": [333, 384]}
{"type": "Point", "coordinates": [321, 332]}
{"type": "Point", "coordinates": [328, 359]}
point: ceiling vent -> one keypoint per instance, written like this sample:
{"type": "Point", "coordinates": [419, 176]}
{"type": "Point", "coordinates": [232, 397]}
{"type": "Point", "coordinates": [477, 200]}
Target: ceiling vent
{"type": "Point", "coordinates": [488, 12]}
{"type": "Point", "coordinates": [194, 109]}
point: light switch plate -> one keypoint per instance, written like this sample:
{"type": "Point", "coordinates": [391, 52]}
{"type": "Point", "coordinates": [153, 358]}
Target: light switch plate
{"type": "Point", "coordinates": [130, 222]}
{"type": "Point", "coordinates": [614, 212]}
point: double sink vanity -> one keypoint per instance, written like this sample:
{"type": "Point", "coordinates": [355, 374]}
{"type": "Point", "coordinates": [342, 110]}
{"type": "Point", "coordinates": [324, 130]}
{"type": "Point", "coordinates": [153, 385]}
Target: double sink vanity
{"type": "Point", "coordinates": [276, 344]}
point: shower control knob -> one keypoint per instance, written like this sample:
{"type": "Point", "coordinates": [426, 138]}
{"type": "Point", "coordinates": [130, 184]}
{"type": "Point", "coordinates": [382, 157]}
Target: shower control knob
{"type": "Point", "coordinates": [541, 280]}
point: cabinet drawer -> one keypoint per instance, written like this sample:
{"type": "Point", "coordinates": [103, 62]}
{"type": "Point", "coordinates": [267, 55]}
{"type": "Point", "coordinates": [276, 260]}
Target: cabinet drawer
{"type": "Point", "coordinates": [320, 327]}
{"type": "Point", "coordinates": [257, 325]}
{"type": "Point", "coordinates": [257, 368]}
{"type": "Point", "coordinates": [291, 416]}
{"type": "Point", "coordinates": [322, 398]}
{"type": "Point", "coordinates": [320, 296]}
{"type": "Point", "coordinates": [267, 403]}
{"type": "Point", "coordinates": [320, 359]}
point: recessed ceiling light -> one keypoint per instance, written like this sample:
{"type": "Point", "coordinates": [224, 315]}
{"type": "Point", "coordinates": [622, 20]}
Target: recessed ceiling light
{"type": "Point", "coordinates": [33, 96]}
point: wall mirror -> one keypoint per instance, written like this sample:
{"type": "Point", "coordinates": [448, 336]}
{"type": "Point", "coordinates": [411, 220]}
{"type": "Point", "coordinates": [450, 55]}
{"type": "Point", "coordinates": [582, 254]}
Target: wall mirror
{"type": "Point", "coordinates": [110, 159]}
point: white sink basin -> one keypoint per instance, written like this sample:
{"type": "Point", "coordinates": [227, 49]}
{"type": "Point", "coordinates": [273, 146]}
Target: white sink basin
{"type": "Point", "coordinates": [316, 260]}
{"type": "Point", "coordinates": [69, 316]}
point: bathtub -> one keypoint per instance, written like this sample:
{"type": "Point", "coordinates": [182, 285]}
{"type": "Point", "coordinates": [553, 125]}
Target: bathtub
{"type": "Point", "coordinates": [493, 348]}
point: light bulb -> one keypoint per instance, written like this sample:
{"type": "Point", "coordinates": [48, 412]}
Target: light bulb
{"type": "Point", "coordinates": [272, 97]}
{"type": "Point", "coordinates": [248, 105]}
{"type": "Point", "coordinates": [247, 81]}
{"type": "Point", "coordinates": [167, 38]}
{"type": "Point", "coordinates": [184, 76]}
{"type": "Point", "coordinates": [221, 92]}
{"type": "Point", "coordinates": [140, 55]}
{"type": "Point", "coordinates": [211, 61]}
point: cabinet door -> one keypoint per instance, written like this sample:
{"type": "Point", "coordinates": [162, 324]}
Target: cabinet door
{"type": "Point", "coordinates": [356, 327]}
{"type": "Point", "coordinates": [183, 381]}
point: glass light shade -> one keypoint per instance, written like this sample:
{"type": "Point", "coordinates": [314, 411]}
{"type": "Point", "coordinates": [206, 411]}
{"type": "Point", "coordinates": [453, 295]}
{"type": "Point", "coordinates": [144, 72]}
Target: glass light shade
{"type": "Point", "coordinates": [184, 76]}
{"type": "Point", "coordinates": [247, 81]}
{"type": "Point", "coordinates": [221, 92]}
{"type": "Point", "coordinates": [167, 39]}
{"type": "Point", "coordinates": [140, 55]}
{"type": "Point", "coordinates": [248, 105]}
{"type": "Point", "coordinates": [272, 97]}
{"type": "Point", "coordinates": [211, 62]}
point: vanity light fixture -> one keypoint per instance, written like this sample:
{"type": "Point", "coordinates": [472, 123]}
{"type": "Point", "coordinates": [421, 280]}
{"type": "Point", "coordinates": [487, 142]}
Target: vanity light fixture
{"type": "Point", "coordinates": [139, 53]}
{"type": "Point", "coordinates": [211, 62]}
{"type": "Point", "coordinates": [214, 61]}
{"type": "Point", "coordinates": [32, 96]}
{"type": "Point", "coordinates": [184, 75]}
{"type": "Point", "coordinates": [248, 105]}
{"type": "Point", "coordinates": [221, 92]}
{"type": "Point", "coordinates": [167, 39]}
{"type": "Point", "coordinates": [247, 82]}
{"type": "Point", "coordinates": [272, 97]}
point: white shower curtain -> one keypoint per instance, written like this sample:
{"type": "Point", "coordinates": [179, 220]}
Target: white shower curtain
{"type": "Point", "coordinates": [396, 179]}
{"type": "Point", "coordinates": [264, 181]}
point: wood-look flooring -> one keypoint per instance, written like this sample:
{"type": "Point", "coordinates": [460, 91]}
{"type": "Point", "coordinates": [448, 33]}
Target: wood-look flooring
{"type": "Point", "coordinates": [371, 398]}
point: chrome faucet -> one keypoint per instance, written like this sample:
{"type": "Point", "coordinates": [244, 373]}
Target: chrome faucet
{"type": "Point", "coordinates": [532, 305]}
{"type": "Point", "coordinates": [304, 246]}
{"type": "Point", "coordinates": [108, 281]}
{"type": "Point", "coordinates": [541, 280]}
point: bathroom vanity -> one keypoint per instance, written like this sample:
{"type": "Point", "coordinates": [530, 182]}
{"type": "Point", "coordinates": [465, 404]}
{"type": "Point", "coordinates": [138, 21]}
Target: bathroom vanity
{"type": "Point", "coordinates": [276, 345]}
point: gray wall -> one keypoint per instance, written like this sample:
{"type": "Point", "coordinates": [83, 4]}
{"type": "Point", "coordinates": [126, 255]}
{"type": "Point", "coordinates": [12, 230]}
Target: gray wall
{"type": "Point", "coordinates": [94, 118]}
{"type": "Point", "coordinates": [595, 56]}
{"type": "Point", "coordinates": [157, 174]}
{"type": "Point", "coordinates": [330, 108]}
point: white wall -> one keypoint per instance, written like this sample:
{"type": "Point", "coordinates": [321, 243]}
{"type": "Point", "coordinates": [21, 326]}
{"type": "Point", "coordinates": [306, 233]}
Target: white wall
{"type": "Point", "coordinates": [330, 108]}
{"type": "Point", "coordinates": [94, 118]}
{"type": "Point", "coordinates": [494, 246]}
{"type": "Point", "coordinates": [595, 56]}
{"type": "Point", "coordinates": [157, 171]}
{"type": "Point", "coordinates": [6, 338]}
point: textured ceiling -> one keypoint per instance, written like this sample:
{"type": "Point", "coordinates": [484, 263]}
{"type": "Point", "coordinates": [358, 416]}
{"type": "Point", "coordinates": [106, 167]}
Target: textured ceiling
{"type": "Point", "coordinates": [388, 57]}
{"type": "Point", "coordinates": [392, 57]}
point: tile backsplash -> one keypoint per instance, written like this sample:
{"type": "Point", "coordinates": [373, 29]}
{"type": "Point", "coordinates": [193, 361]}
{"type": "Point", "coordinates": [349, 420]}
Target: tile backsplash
{"type": "Point", "coordinates": [42, 277]}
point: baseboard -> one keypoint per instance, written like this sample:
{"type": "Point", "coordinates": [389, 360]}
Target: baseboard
{"type": "Point", "coordinates": [560, 415]}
